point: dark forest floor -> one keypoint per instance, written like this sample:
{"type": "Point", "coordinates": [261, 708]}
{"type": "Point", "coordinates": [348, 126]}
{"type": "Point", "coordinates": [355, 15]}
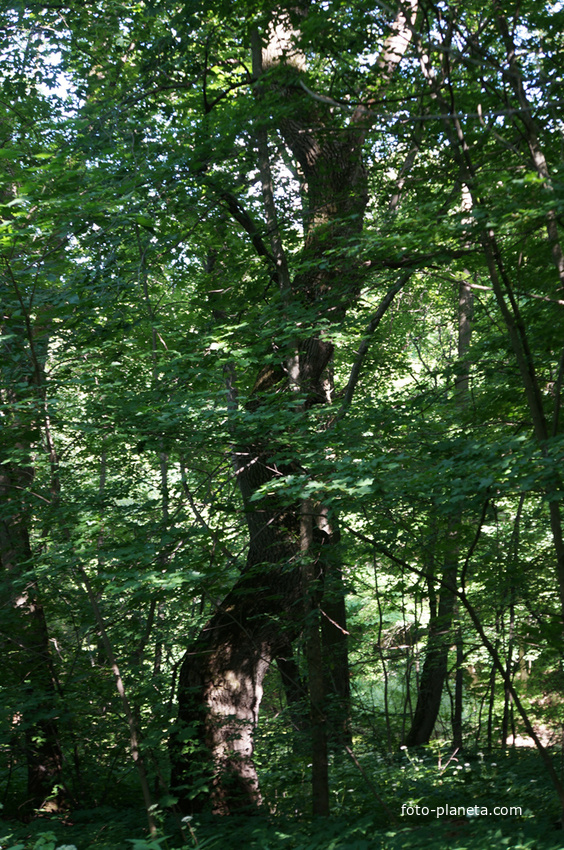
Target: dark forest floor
{"type": "Point", "coordinates": [434, 806]}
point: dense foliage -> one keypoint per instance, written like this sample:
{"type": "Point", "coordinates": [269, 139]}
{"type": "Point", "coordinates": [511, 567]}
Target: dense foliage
{"type": "Point", "coordinates": [281, 371]}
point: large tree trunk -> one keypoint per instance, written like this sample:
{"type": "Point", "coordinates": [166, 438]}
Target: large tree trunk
{"type": "Point", "coordinates": [220, 689]}
{"type": "Point", "coordinates": [281, 589]}
{"type": "Point", "coordinates": [26, 655]}
{"type": "Point", "coordinates": [24, 643]}
{"type": "Point", "coordinates": [220, 683]}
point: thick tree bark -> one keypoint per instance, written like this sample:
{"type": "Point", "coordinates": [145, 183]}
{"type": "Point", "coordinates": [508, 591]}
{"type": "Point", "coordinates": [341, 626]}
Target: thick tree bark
{"type": "Point", "coordinates": [222, 674]}
{"type": "Point", "coordinates": [220, 689]}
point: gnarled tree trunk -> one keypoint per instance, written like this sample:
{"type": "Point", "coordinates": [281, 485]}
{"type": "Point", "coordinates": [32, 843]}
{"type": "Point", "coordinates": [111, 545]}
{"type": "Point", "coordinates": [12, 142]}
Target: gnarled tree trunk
{"type": "Point", "coordinates": [280, 591]}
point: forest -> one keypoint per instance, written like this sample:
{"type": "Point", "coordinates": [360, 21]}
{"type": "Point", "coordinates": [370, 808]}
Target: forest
{"type": "Point", "coordinates": [281, 439]}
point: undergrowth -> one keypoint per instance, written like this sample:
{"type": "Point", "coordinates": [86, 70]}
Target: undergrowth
{"type": "Point", "coordinates": [432, 799]}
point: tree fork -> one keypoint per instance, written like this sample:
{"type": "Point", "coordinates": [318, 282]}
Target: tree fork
{"type": "Point", "coordinates": [222, 673]}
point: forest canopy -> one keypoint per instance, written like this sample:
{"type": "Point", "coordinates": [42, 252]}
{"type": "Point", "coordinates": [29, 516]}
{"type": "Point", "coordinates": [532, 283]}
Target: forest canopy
{"type": "Point", "coordinates": [281, 373]}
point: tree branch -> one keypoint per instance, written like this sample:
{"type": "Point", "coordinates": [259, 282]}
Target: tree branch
{"type": "Point", "coordinates": [365, 344]}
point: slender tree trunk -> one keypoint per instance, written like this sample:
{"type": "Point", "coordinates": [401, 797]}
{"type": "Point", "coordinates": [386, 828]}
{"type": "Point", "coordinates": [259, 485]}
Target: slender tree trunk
{"type": "Point", "coordinates": [508, 671]}
{"type": "Point", "coordinates": [497, 270]}
{"type": "Point", "coordinates": [491, 704]}
{"type": "Point", "coordinates": [440, 627]}
{"type": "Point", "coordinates": [314, 578]}
{"type": "Point", "coordinates": [334, 634]}
{"type": "Point", "coordinates": [383, 660]}
{"type": "Point", "coordinates": [458, 691]}
{"type": "Point", "coordinates": [295, 688]}
{"type": "Point", "coordinates": [436, 663]}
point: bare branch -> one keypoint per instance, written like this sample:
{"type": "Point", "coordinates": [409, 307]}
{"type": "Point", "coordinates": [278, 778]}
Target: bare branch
{"type": "Point", "coordinates": [365, 344]}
